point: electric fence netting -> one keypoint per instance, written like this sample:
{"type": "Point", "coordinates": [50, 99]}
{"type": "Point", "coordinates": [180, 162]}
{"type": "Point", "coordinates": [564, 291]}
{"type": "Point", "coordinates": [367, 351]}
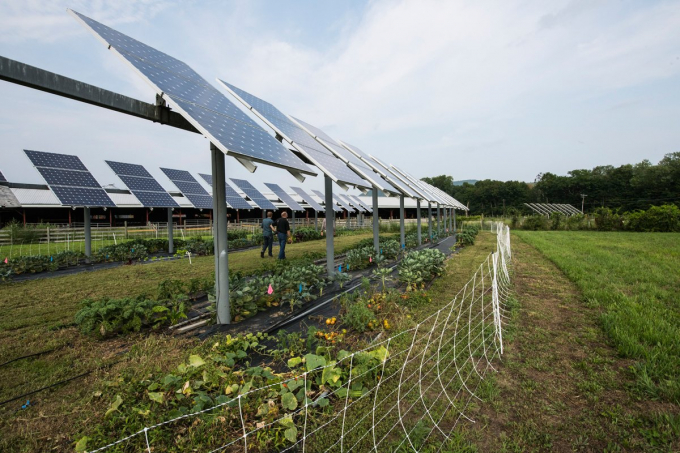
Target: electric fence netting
{"type": "Point", "coordinates": [402, 393]}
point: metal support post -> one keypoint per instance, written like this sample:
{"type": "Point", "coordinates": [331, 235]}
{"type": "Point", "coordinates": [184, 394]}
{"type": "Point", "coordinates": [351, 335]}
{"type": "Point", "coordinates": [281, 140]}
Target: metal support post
{"type": "Point", "coordinates": [455, 228]}
{"type": "Point", "coordinates": [316, 220]}
{"type": "Point", "coordinates": [88, 233]}
{"type": "Point", "coordinates": [401, 221]}
{"type": "Point", "coordinates": [446, 223]}
{"type": "Point", "coordinates": [221, 259]}
{"type": "Point", "coordinates": [171, 244]}
{"type": "Point", "coordinates": [292, 224]}
{"type": "Point", "coordinates": [330, 226]}
{"type": "Point", "coordinates": [429, 220]}
{"type": "Point", "coordinates": [376, 221]}
{"type": "Point", "coordinates": [420, 241]}
{"type": "Point", "coordinates": [439, 222]}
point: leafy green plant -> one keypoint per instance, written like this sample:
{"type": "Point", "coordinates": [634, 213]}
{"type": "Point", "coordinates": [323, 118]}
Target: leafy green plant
{"type": "Point", "coordinates": [357, 315]}
{"type": "Point", "coordinates": [419, 267]}
{"type": "Point", "coordinates": [106, 317]}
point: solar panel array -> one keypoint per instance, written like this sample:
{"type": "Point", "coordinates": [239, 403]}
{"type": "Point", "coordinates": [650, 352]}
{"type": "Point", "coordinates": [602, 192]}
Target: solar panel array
{"type": "Point", "coordinates": [343, 203]}
{"type": "Point", "coordinates": [350, 202]}
{"type": "Point", "coordinates": [206, 108]}
{"type": "Point", "coordinates": [234, 200]}
{"type": "Point", "coordinates": [350, 159]}
{"type": "Point", "coordinates": [287, 199]}
{"type": "Point", "coordinates": [320, 195]}
{"type": "Point", "coordinates": [254, 194]}
{"type": "Point", "coordinates": [69, 179]}
{"type": "Point", "coordinates": [430, 195]}
{"type": "Point", "coordinates": [308, 198]}
{"type": "Point", "coordinates": [189, 187]}
{"type": "Point", "coordinates": [142, 185]}
{"type": "Point", "coordinates": [298, 138]}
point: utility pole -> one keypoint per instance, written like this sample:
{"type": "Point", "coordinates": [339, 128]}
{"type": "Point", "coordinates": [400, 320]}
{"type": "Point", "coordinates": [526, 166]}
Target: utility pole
{"type": "Point", "coordinates": [583, 201]}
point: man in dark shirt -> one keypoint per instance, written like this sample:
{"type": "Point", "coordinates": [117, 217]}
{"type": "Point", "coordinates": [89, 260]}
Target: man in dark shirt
{"type": "Point", "coordinates": [283, 234]}
{"type": "Point", "coordinates": [267, 234]}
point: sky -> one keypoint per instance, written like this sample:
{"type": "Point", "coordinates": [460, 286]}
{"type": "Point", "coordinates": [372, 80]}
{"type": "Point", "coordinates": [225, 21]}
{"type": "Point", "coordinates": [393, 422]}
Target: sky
{"type": "Point", "coordinates": [476, 90]}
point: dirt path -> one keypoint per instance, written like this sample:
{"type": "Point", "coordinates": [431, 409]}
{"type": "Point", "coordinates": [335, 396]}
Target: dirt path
{"type": "Point", "coordinates": [560, 387]}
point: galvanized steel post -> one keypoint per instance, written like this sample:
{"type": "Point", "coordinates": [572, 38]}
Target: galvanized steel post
{"type": "Point", "coordinates": [376, 221]}
{"type": "Point", "coordinates": [330, 226]}
{"type": "Point", "coordinates": [402, 230]}
{"type": "Point", "coordinates": [420, 242]}
{"type": "Point", "coordinates": [171, 245]}
{"type": "Point", "coordinates": [220, 219]}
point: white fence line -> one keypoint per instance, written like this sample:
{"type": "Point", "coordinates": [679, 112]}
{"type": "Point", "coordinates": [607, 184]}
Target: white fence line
{"type": "Point", "coordinates": [414, 394]}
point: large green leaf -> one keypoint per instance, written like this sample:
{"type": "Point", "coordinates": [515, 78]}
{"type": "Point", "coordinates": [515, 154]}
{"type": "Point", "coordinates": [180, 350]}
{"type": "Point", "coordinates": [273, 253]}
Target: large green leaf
{"type": "Point", "coordinates": [114, 406]}
{"type": "Point", "coordinates": [196, 361]}
{"type": "Point", "coordinates": [156, 396]}
{"type": "Point", "coordinates": [289, 401]}
{"type": "Point", "coordinates": [313, 361]}
{"type": "Point", "coordinates": [291, 434]}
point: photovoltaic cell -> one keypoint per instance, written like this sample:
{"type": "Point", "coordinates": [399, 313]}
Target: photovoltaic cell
{"type": "Point", "coordinates": [69, 179]}
{"type": "Point", "coordinates": [189, 187]}
{"type": "Point", "coordinates": [254, 194]}
{"type": "Point", "coordinates": [287, 199]}
{"type": "Point", "coordinates": [336, 208]}
{"type": "Point", "coordinates": [212, 113]}
{"type": "Point", "coordinates": [308, 199]}
{"type": "Point", "coordinates": [394, 179]}
{"type": "Point", "coordinates": [142, 185]}
{"type": "Point", "coordinates": [234, 200]}
{"type": "Point", "coordinates": [300, 139]}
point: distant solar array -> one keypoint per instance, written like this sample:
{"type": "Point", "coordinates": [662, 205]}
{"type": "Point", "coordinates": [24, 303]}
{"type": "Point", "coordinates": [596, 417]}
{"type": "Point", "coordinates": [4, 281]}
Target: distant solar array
{"type": "Point", "coordinates": [308, 199]}
{"type": "Point", "coordinates": [234, 200]}
{"type": "Point", "coordinates": [142, 185]}
{"type": "Point", "coordinates": [343, 203]}
{"type": "Point", "coordinates": [287, 199]}
{"type": "Point", "coordinates": [69, 179]}
{"type": "Point", "coordinates": [301, 140]}
{"type": "Point", "coordinates": [320, 195]}
{"type": "Point", "coordinates": [189, 187]}
{"type": "Point", "coordinates": [358, 200]}
{"type": "Point", "coordinates": [549, 208]}
{"type": "Point", "coordinates": [206, 108]}
{"type": "Point", "coordinates": [260, 200]}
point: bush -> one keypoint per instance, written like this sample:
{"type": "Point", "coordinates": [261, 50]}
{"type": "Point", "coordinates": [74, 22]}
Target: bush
{"type": "Point", "coordinates": [535, 222]}
{"type": "Point", "coordinates": [576, 222]}
{"type": "Point", "coordinates": [556, 221]}
{"type": "Point", "coordinates": [128, 251]}
{"type": "Point", "coordinates": [306, 234]}
{"type": "Point", "coordinates": [608, 220]}
{"type": "Point", "coordinates": [106, 317]}
{"type": "Point", "coordinates": [357, 315]}
{"type": "Point", "coordinates": [664, 218]}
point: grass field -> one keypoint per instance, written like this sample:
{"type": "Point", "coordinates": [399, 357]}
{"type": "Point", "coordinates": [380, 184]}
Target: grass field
{"type": "Point", "coordinates": [594, 363]}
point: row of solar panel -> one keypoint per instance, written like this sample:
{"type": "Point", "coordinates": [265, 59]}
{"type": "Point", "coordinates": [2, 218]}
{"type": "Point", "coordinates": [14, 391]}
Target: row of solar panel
{"type": "Point", "coordinates": [235, 133]}
{"type": "Point", "coordinates": [74, 185]}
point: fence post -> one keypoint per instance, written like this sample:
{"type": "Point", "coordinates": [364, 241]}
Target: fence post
{"type": "Point", "coordinates": [126, 231]}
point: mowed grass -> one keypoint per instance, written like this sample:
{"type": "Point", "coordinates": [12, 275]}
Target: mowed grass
{"type": "Point", "coordinates": [634, 279]}
{"type": "Point", "coordinates": [38, 314]}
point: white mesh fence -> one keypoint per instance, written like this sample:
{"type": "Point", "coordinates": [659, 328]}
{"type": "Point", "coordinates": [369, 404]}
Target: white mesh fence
{"type": "Point", "coordinates": [401, 393]}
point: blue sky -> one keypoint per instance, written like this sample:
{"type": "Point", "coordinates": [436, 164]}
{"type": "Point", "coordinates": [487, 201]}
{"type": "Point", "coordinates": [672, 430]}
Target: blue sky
{"type": "Point", "coordinates": [501, 90]}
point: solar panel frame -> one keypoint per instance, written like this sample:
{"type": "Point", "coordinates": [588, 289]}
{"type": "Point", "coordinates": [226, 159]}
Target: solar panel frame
{"type": "Point", "coordinates": [343, 203]}
{"type": "Point", "coordinates": [432, 197]}
{"type": "Point", "coordinates": [205, 107]}
{"type": "Point", "coordinates": [255, 195]}
{"type": "Point", "coordinates": [69, 179]}
{"type": "Point", "coordinates": [142, 185]}
{"type": "Point", "coordinates": [417, 192]}
{"type": "Point", "coordinates": [234, 200]}
{"type": "Point", "coordinates": [190, 188]}
{"type": "Point", "coordinates": [284, 196]}
{"type": "Point", "coordinates": [320, 195]}
{"type": "Point", "coordinates": [298, 138]}
{"type": "Point", "coordinates": [308, 199]}
{"type": "Point", "coordinates": [358, 207]}
{"type": "Point", "coordinates": [366, 207]}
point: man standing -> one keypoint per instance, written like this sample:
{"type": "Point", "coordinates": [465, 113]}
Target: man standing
{"type": "Point", "coordinates": [283, 234]}
{"type": "Point", "coordinates": [267, 234]}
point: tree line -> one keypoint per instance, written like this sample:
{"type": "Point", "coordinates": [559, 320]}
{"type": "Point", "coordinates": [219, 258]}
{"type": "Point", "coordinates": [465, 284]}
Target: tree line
{"type": "Point", "coordinates": [626, 188]}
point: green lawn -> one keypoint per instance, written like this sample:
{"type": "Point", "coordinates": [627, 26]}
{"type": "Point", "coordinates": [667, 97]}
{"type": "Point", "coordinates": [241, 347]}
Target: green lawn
{"type": "Point", "coordinates": [634, 278]}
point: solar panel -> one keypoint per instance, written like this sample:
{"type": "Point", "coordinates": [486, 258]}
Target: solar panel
{"type": "Point", "coordinates": [430, 195]}
{"type": "Point", "coordinates": [350, 159]}
{"type": "Point", "coordinates": [189, 187]}
{"type": "Point", "coordinates": [300, 139]}
{"type": "Point", "coordinates": [142, 185]}
{"type": "Point", "coordinates": [358, 200]}
{"type": "Point", "coordinates": [2, 177]}
{"type": "Point", "coordinates": [234, 200]}
{"type": "Point", "coordinates": [254, 194]}
{"type": "Point", "coordinates": [350, 202]}
{"type": "Point", "coordinates": [69, 179]}
{"type": "Point", "coordinates": [54, 160]}
{"type": "Point", "coordinates": [320, 195]}
{"type": "Point", "coordinates": [287, 199]}
{"type": "Point", "coordinates": [307, 198]}
{"type": "Point", "coordinates": [396, 179]}
{"type": "Point", "coordinates": [343, 203]}
{"type": "Point", "coordinates": [7, 198]}
{"type": "Point", "coordinates": [206, 108]}
{"type": "Point", "coordinates": [366, 159]}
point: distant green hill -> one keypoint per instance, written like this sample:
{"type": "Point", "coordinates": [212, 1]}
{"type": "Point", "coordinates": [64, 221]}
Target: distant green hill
{"type": "Point", "coordinates": [460, 183]}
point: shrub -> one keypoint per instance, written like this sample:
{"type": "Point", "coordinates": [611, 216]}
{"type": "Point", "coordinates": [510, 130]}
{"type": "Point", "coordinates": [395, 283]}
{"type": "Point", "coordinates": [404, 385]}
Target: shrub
{"type": "Point", "coordinates": [664, 218]}
{"type": "Point", "coordinates": [306, 234]}
{"type": "Point", "coordinates": [576, 222]}
{"type": "Point", "coordinates": [106, 317]}
{"type": "Point", "coordinates": [357, 315]}
{"type": "Point", "coordinates": [535, 222]}
{"type": "Point", "coordinates": [608, 220]}
{"type": "Point", "coordinates": [556, 221]}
